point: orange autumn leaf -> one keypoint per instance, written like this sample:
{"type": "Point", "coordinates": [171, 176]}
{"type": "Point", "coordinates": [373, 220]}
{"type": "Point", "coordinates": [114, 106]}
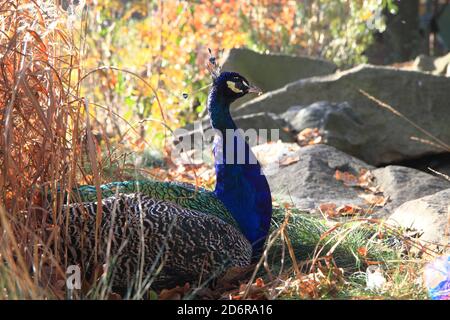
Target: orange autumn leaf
{"type": "Point", "coordinates": [346, 177]}
{"type": "Point", "coordinates": [328, 209]}
{"type": "Point", "coordinates": [332, 211]}
{"type": "Point", "coordinates": [259, 282]}
{"type": "Point", "coordinates": [362, 251]}
{"type": "Point", "coordinates": [374, 200]}
{"type": "Point", "coordinates": [309, 136]}
{"type": "Point", "coordinates": [287, 205]}
{"type": "Point", "coordinates": [349, 209]}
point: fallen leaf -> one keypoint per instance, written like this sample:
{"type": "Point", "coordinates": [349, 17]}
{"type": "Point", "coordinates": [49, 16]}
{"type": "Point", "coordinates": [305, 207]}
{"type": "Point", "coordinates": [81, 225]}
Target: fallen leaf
{"type": "Point", "coordinates": [374, 200]}
{"type": "Point", "coordinates": [362, 251]}
{"type": "Point", "coordinates": [349, 210]}
{"type": "Point", "coordinates": [309, 136]}
{"type": "Point", "coordinates": [176, 293]}
{"type": "Point", "coordinates": [350, 180]}
{"type": "Point", "coordinates": [254, 291]}
{"type": "Point", "coordinates": [289, 160]}
{"type": "Point", "coordinates": [259, 282]}
{"type": "Point", "coordinates": [364, 180]}
{"type": "Point", "coordinates": [114, 296]}
{"type": "Point", "coordinates": [328, 209]}
{"type": "Point", "coordinates": [287, 205]}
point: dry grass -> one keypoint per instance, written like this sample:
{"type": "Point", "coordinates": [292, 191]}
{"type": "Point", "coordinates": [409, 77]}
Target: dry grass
{"type": "Point", "coordinates": [47, 144]}
{"type": "Point", "coordinates": [42, 134]}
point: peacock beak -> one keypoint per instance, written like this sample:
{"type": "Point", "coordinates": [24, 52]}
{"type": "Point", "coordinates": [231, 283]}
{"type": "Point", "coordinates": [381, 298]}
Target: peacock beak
{"type": "Point", "coordinates": [254, 89]}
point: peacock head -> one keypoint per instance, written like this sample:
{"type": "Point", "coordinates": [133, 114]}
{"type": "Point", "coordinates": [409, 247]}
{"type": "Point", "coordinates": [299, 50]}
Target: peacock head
{"type": "Point", "coordinates": [232, 86]}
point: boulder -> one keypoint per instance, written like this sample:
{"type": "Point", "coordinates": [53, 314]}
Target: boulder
{"type": "Point", "coordinates": [310, 181]}
{"type": "Point", "coordinates": [359, 126]}
{"type": "Point", "coordinates": [337, 122]}
{"type": "Point", "coordinates": [402, 184]}
{"type": "Point", "coordinates": [273, 71]}
{"type": "Point", "coordinates": [429, 215]}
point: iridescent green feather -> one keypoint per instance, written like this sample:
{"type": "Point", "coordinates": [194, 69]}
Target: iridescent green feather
{"type": "Point", "coordinates": [184, 195]}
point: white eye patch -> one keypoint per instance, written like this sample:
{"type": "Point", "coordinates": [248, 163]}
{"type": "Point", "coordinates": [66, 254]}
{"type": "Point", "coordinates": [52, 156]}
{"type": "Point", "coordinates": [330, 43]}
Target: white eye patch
{"type": "Point", "coordinates": [232, 86]}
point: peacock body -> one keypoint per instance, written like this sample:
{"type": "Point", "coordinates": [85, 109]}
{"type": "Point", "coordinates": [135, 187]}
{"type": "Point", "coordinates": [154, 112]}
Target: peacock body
{"type": "Point", "coordinates": [177, 232]}
{"type": "Point", "coordinates": [138, 231]}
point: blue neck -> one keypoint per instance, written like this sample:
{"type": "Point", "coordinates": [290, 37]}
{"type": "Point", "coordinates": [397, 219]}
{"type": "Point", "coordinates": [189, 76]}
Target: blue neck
{"type": "Point", "coordinates": [240, 184]}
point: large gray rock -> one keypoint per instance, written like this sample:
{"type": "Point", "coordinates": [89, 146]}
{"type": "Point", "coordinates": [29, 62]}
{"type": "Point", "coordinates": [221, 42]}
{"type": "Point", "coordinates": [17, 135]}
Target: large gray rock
{"type": "Point", "coordinates": [363, 128]}
{"type": "Point", "coordinates": [429, 214]}
{"type": "Point", "coordinates": [272, 71]}
{"type": "Point", "coordinates": [402, 184]}
{"type": "Point", "coordinates": [337, 122]}
{"type": "Point", "coordinates": [319, 113]}
{"type": "Point", "coordinates": [311, 181]}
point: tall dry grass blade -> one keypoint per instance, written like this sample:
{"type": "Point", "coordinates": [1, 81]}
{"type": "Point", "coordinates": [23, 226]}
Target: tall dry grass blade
{"type": "Point", "coordinates": [38, 138]}
{"type": "Point", "coordinates": [92, 152]}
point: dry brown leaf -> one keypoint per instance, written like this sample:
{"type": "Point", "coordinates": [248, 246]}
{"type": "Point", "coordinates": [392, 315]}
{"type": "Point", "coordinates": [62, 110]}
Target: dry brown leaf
{"type": "Point", "coordinates": [349, 210]}
{"type": "Point", "coordinates": [374, 200]}
{"type": "Point", "coordinates": [259, 282]}
{"type": "Point", "coordinates": [328, 209]}
{"type": "Point", "coordinates": [350, 180]}
{"type": "Point", "coordinates": [362, 251]}
{"type": "Point", "coordinates": [114, 296]}
{"type": "Point", "coordinates": [289, 160]}
{"type": "Point", "coordinates": [287, 205]}
{"type": "Point", "coordinates": [176, 293]}
{"type": "Point", "coordinates": [254, 291]}
{"type": "Point", "coordinates": [309, 136]}
{"type": "Point", "coordinates": [364, 180]}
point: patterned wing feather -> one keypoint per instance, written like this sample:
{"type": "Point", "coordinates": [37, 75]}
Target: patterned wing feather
{"type": "Point", "coordinates": [184, 244]}
{"type": "Point", "coordinates": [182, 194]}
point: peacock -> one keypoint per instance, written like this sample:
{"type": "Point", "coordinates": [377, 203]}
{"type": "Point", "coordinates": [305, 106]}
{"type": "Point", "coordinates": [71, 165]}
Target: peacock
{"type": "Point", "coordinates": [170, 232]}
